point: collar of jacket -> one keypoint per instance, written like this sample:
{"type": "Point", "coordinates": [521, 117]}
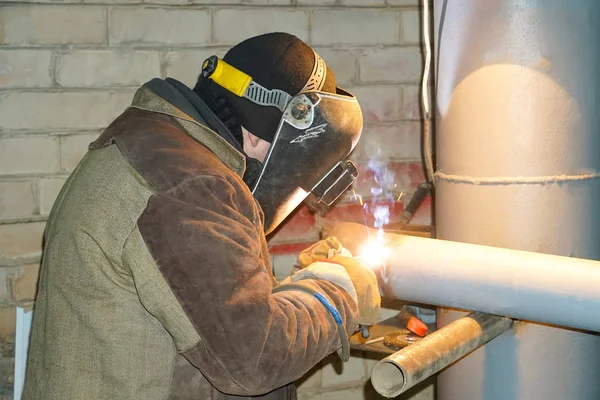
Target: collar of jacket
{"type": "Point", "coordinates": [163, 97]}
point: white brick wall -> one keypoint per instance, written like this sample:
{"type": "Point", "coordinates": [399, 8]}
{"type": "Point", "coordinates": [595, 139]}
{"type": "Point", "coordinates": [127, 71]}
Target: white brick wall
{"type": "Point", "coordinates": [160, 26]}
{"type": "Point", "coordinates": [72, 149]}
{"type": "Point", "coordinates": [105, 68]}
{"type": "Point", "coordinates": [25, 68]}
{"type": "Point", "coordinates": [232, 25]}
{"type": "Point", "coordinates": [69, 67]}
{"type": "Point", "coordinates": [52, 24]}
{"type": "Point", "coordinates": [28, 155]}
{"type": "Point", "coordinates": [61, 110]}
{"type": "Point", "coordinates": [16, 199]}
{"type": "Point", "coordinates": [48, 191]}
{"type": "Point", "coordinates": [342, 26]}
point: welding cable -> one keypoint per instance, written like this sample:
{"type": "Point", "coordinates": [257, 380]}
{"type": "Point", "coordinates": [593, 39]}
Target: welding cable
{"type": "Point", "coordinates": [345, 354]}
{"type": "Point", "coordinates": [429, 168]}
{"type": "Point", "coordinates": [419, 196]}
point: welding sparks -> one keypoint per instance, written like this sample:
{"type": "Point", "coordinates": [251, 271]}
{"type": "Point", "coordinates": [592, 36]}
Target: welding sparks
{"type": "Point", "coordinates": [356, 196]}
{"type": "Point", "coordinates": [374, 253]}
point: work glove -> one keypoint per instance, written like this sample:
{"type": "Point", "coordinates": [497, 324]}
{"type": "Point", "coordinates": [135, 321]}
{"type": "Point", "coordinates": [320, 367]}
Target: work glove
{"type": "Point", "coordinates": [365, 283]}
{"type": "Point", "coordinates": [329, 260]}
{"type": "Point", "coordinates": [321, 251]}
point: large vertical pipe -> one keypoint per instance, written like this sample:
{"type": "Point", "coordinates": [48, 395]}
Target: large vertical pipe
{"type": "Point", "coordinates": [518, 153]}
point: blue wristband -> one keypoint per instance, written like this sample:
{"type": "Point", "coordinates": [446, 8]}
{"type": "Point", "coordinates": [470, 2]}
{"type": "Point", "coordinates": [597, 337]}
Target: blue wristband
{"type": "Point", "coordinates": [345, 353]}
{"type": "Point", "coordinates": [330, 307]}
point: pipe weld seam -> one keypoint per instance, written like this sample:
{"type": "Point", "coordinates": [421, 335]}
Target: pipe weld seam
{"type": "Point", "coordinates": [515, 180]}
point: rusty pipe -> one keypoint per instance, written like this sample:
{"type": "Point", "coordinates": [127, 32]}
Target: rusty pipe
{"type": "Point", "coordinates": [536, 287]}
{"type": "Point", "coordinates": [413, 364]}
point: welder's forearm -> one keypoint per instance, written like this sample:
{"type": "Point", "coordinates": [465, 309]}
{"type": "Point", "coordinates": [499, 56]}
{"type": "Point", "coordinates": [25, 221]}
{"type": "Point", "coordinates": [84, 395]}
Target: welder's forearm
{"type": "Point", "coordinates": [278, 347]}
{"type": "Point", "coordinates": [320, 309]}
{"type": "Point", "coordinates": [337, 297]}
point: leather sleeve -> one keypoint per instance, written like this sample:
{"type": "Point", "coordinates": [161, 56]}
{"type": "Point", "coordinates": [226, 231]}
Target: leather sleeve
{"type": "Point", "coordinates": [206, 237]}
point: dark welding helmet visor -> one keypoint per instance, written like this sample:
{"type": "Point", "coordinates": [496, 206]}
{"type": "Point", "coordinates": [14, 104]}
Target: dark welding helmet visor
{"type": "Point", "coordinates": [317, 131]}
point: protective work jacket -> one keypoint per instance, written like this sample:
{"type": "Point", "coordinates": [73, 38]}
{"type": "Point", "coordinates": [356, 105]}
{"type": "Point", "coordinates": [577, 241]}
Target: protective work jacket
{"type": "Point", "coordinates": [156, 280]}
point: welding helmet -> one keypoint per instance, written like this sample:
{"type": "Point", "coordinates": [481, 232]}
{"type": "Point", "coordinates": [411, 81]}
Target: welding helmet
{"type": "Point", "coordinates": [316, 132]}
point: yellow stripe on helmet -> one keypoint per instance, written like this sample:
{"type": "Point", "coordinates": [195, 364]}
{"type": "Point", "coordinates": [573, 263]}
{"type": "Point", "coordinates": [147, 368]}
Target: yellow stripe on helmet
{"type": "Point", "coordinates": [230, 77]}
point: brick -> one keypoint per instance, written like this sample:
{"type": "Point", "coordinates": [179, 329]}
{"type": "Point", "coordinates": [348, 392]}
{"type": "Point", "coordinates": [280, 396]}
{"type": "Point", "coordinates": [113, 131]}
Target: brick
{"type": "Point", "coordinates": [398, 141]}
{"type": "Point", "coordinates": [311, 380]}
{"type": "Point", "coordinates": [98, 68]}
{"type": "Point", "coordinates": [343, 63]}
{"type": "Point", "coordinates": [379, 104]}
{"type": "Point", "coordinates": [392, 64]}
{"type": "Point", "coordinates": [44, 1]}
{"type": "Point", "coordinates": [21, 240]}
{"type": "Point", "coordinates": [370, 3]}
{"type": "Point", "coordinates": [404, 2]}
{"type": "Point", "coordinates": [386, 313]}
{"type": "Point", "coordinates": [316, 2]}
{"type": "Point", "coordinates": [425, 390]}
{"type": "Point", "coordinates": [424, 215]}
{"type": "Point", "coordinates": [411, 26]}
{"type": "Point", "coordinates": [24, 283]}
{"type": "Point", "coordinates": [334, 26]}
{"type": "Point", "coordinates": [49, 190]}
{"type": "Point", "coordinates": [411, 102]}
{"type": "Point", "coordinates": [185, 65]}
{"type": "Point", "coordinates": [406, 176]}
{"type": "Point", "coordinates": [234, 25]}
{"type": "Point", "coordinates": [111, 1]}
{"type": "Point", "coordinates": [5, 274]}
{"type": "Point", "coordinates": [7, 351]}
{"type": "Point", "coordinates": [290, 248]}
{"type": "Point", "coordinates": [360, 214]}
{"type": "Point", "coordinates": [52, 24]}
{"type": "Point", "coordinates": [8, 317]}
{"type": "Point", "coordinates": [67, 110]}
{"type": "Point", "coordinates": [167, 1]}
{"type": "Point", "coordinates": [16, 199]}
{"type": "Point", "coordinates": [160, 26]}
{"type": "Point", "coordinates": [298, 227]}
{"type": "Point", "coordinates": [7, 371]}
{"type": "Point", "coordinates": [374, 358]}
{"type": "Point", "coordinates": [355, 392]}
{"type": "Point", "coordinates": [25, 68]}
{"type": "Point", "coordinates": [243, 2]}
{"type": "Point", "coordinates": [21, 155]}
{"type": "Point", "coordinates": [336, 373]}
{"type": "Point", "coordinates": [282, 265]}
{"type": "Point", "coordinates": [73, 148]}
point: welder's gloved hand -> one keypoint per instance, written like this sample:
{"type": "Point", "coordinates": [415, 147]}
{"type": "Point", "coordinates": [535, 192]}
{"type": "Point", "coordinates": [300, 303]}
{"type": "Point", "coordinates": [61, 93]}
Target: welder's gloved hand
{"type": "Point", "coordinates": [321, 251]}
{"type": "Point", "coordinates": [367, 289]}
{"type": "Point", "coordinates": [351, 275]}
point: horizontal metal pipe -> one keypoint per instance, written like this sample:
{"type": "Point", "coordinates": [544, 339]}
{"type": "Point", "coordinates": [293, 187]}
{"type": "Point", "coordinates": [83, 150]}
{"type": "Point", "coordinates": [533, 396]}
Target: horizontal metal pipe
{"type": "Point", "coordinates": [404, 369]}
{"type": "Point", "coordinates": [549, 289]}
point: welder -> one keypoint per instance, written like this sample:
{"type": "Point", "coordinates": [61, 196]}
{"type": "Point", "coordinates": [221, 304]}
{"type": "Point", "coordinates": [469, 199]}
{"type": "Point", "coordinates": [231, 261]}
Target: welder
{"type": "Point", "coordinates": [156, 280]}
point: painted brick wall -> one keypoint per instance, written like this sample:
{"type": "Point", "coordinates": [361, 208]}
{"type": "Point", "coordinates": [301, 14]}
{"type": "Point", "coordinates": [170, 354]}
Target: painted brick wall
{"type": "Point", "coordinates": [67, 68]}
